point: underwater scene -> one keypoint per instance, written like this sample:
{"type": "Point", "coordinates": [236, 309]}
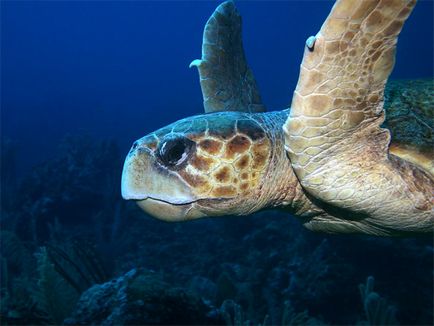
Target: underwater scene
{"type": "Point", "coordinates": [217, 163]}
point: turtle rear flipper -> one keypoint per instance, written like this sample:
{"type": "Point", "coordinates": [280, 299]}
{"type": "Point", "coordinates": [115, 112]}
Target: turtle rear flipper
{"type": "Point", "coordinates": [333, 135]}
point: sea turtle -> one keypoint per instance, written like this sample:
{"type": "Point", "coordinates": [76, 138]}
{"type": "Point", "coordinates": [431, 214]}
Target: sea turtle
{"type": "Point", "coordinates": [327, 160]}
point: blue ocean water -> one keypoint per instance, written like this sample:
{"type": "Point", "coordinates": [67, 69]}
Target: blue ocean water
{"type": "Point", "coordinates": [105, 74]}
{"type": "Point", "coordinates": [120, 70]}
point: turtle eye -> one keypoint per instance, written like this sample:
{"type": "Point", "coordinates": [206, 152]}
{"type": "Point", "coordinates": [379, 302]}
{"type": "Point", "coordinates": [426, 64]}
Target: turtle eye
{"type": "Point", "coordinates": [174, 151]}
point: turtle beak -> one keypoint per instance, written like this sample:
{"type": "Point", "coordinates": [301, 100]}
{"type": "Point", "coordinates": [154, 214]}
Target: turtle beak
{"type": "Point", "coordinates": [159, 191]}
{"type": "Point", "coordinates": [143, 177]}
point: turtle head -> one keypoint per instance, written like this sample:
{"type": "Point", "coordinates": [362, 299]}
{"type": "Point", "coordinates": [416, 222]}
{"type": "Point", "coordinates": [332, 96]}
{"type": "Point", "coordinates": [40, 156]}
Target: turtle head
{"type": "Point", "coordinates": [206, 165]}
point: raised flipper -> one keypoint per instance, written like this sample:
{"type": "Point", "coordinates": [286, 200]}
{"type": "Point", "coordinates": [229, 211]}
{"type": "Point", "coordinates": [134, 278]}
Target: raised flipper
{"type": "Point", "coordinates": [226, 80]}
{"type": "Point", "coordinates": [333, 135]}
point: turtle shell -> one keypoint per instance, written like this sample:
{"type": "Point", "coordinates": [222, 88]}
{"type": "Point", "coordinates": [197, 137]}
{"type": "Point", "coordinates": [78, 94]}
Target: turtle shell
{"type": "Point", "coordinates": [409, 106]}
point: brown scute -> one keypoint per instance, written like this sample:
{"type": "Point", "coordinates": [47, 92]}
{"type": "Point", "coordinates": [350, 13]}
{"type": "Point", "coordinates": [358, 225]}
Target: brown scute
{"type": "Point", "coordinates": [251, 129]}
{"type": "Point", "coordinates": [404, 12]}
{"type": "Point", "coordinates": [260, 155]}
{"type": "Point", "coordinates": [333, 47]}
{"type": "Point", "coordinates": [348, 36]}
{"type": "Point", "coordinates": [376, 45]}
{"type": "Point", "coordinates": [393, 28]}
{"type": "Point", "coordinates": [210, 146]}
{"type": "Point", "coordinates": [223, 175]}
{"type": "Point", "coordinates": [195, 181]}
{"type": "Point", "coordinates": [259, 160]}
{"type": "Point", "coordinates": [224, 191]}
{"type": "Point", "coordinates": [374, 19]}
{"type": "Point", "coordinates": [373, 98]}
{"type": "Point", "coordinates": [201, 163]}
{"type": "Point", "coordinates": [243, 162]}
{"type": "Point", "coordinates": [355, 118]}
{"type": "Point", "coordinates": [244, 186]}
{"type": "Point", "coordinates": [244, 175]}
{"type": "Point", "coordinates": [375, 56]}
{"type": "Point", "coordinates": [238, 144]}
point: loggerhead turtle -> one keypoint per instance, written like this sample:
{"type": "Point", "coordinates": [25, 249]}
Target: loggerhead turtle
{"type": "Point", "coordinates": [327, 160]}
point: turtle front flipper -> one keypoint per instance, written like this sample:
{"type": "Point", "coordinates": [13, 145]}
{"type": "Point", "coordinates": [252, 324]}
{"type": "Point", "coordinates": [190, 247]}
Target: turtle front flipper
{"type": "Point", "coordinates": [226, 80]}
{"type": "Point", "coordinates": [333, 135]}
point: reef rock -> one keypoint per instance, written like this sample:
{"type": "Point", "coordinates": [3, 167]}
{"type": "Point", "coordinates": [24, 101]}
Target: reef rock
{"type": "Point", "coordinates": [141, 297]}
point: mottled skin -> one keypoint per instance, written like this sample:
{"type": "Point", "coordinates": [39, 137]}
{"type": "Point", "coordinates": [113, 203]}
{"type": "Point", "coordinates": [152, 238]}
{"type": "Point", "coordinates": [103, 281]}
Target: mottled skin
{"type": "Point", "coordinates": [330, 165]}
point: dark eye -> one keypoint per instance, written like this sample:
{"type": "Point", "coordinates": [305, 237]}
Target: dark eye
{"type": "Point", "coordinates": [174, 151]}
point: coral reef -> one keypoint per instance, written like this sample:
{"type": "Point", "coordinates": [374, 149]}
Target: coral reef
{"type": "Point", "coordinates": [141, 297]}
{"type": "Point", "coordinates": [377, 309]}
{"type": "Point", "coordinates": [54, 295]}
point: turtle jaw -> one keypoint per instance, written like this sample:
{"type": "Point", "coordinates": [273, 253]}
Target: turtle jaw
{"type": "Point", "coordinates": [157, 191]}
{"type": "Point", "coordinates": [170, 212]}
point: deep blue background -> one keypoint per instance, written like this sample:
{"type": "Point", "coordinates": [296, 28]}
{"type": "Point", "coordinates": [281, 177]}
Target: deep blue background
{"type": "Point", "coordinates": [120, 69]}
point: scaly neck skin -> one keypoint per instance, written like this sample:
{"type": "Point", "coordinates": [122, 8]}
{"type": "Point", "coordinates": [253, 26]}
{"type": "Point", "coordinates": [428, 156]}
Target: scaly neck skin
{"type": "Point", "coordinates": [280, 187]}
